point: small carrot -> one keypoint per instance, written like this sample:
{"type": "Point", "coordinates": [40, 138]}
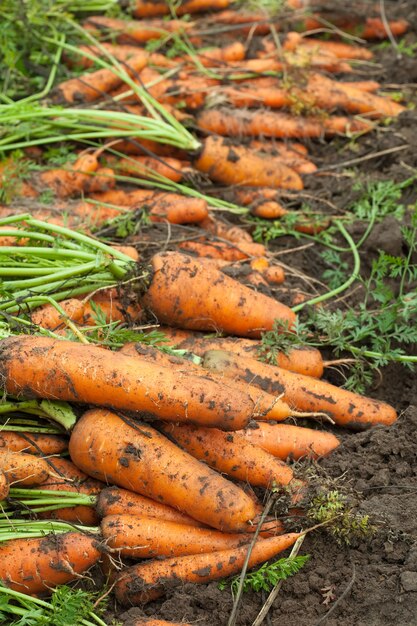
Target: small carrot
{"type": "Point", "coordinates": [285, 441]}
{"type": "Point", "coordinates": [139, 458]}
{"type": "Point", "coordinates": [273, 124]}
{"type": "Point", "coordinates": [231, 164]}
{"type": "Point", "coordinates": [146, 167]}
{"type": "Point", "coordinates": [148, 581]}
{"type": "Point", "coordinates": [34, 566]}
{"type": "Point", "coordinates": [68, 370]}
{"type": "Point", "coordinates": [32, 443]}
{"type": "Point", "coordinates": [304, 392]}
{"type": "Point", "coordinates": [25, 469]}
{"type": "Point", "coordinates": [235, 234]}
{"type": "Point", "coordinates": [145, 538]}
{"type": "Point", "coordinates": [185, 293]}
{"type": "Point", "coordinates": [229, 454]}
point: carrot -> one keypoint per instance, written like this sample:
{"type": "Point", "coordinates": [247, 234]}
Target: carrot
{"type": "Point", "coordinates": [136, 31]}
{"type": "Point", "coordinates": [338, 49]}
{"type": "Point", "coordinates": [266, 405]}
{"type": "Point", "coordinates": [144, 146]}
{"type": "Point", "coordinates": [374, 28]}
{"type": "Point", "coordinates": [4, 486]}
{"type": "Point", "coordinates": [119, 52]}
{"type": "Point", "coordinates": [364, 85]}
{"type": "Point", "coordinates": [146, 167]}
{"type": "Point", "coordinates": [117, 501]}
{"type": "Point", "coordinates": [146, 538]}
{"type": "Point", "coordinates": [22, 468]}
{"type": "Point", "coordinates": [151, 8]}
{"type": "Point", "coordinates": [32, 443]}
{"type": "Point", "coordinates": [273, 124]}
{"type": "Point", "coordinates": [35, 566]}
{"type": "Point", "coordinates": [231, 164]}
{"type": "Point", "coordinates": [102, 180]}
{"type": "Point", "coordinates": [68, 370]}
{"type": "Point", "coordinates": [304, 392]}
{"type": "Point", "coordinates": [285, 441]}
{"type": "Point", "coordinates": [223, 250]}
{"type": "Point", "coordinates": [70, 181]}
{"type": "Point", "coordinates": [148, 581]}
{"type": "Point", "coordinates": [235, 234]}
{"type": "Point", "coordinates": [293, 157]}
{"type": "Point", "coordinates": [157, 622]}
{"type": "Point", "coordinates": [95, 85]}
{"type": "Point", "coordinates": [304, 360]}
{"type": "Point", "coordinates": [186, 294]}
{"type": "Point", "coordinates": [229, 454]}
{"type": "Point", "coordinates": [139, 458]}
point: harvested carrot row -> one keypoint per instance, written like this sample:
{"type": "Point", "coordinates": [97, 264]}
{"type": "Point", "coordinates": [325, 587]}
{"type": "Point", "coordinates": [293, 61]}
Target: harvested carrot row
{"type": "Point", "coordinates": [304, 392]}
{"type": "Point", "coordinates": [142, 538]}
{"type": "Point", "coordinates": [68, 370]}
{"type": "Point", "coordinates": [32, 443]}
{"type": "Point", "coordinates": [139, 458]}
{"type": "Point", "coordinates": [230, 454]}
{"type": "Point", "coordinates": [272, 124]}
{"type": "Point", "coordinates": [186, 294]}
{"type": "Point", "coordinates": [22, 468]}
{"type": "Point", "coordinates": [285, 441]}
{"type": "Point", "coordinates": [148, 581]}
{"type": "Point", "coordinates": [35, 566]}
{"type": "Point", "coordinates": [231, 164]}
{"type": "Point", "coordinates": [304, 360]}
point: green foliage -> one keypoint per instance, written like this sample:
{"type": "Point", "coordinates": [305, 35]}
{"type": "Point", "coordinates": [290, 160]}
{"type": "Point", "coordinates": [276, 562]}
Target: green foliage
{"type": "Point", "coordinates": [402, 47]}
{"type": "Point", "coordinates": [268, 575]}
{"type": "Point", "coordinates": [125, 224]}
{"type": "Point", "coordinates": [15, 170]}
{"type": "Point", "coordinates": [380, 198]}
{"type": "Point", "coordinates": [337, 273]}
{"type": "Point", "coordinates": [332, 508]}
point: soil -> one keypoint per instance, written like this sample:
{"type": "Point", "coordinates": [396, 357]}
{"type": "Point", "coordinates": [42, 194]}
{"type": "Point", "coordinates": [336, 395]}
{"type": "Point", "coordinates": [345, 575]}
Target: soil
{"type": "Point", "coordinates": [373, 581]}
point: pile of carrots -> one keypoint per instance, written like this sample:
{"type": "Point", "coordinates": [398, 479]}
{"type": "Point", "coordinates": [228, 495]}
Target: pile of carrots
{"type": "Point", "coordinates": [167, 444]}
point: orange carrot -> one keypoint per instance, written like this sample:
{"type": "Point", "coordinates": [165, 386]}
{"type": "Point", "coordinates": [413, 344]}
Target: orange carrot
{"type": "Point", "coordinates": [273, 124]}
{"type": "Point", "coordinates": [117, 501]}
{"type": "Point", "coordinates": [139, 458]}
{"type": "Point", "coordinates": [152, 8]}
{"type": "Point", "coordinates": [228, 453]}
{"type": "Point", "coordinates": [341, 50]}
{"type": "Point", "coordinates": [235, 234]}
{"type": "Point", "coordinates": [95, 85]}
{"type": "Point", "coordinates": [304, 392]}
{"type": "Point", "coordinates": [148, 581]}
{"type": "Point", "coordinates": [68, 370]}
{"type": "Point", "coordinates": [285, 441]}
{"type": "Point", "coordinates": [4, 486]}
{"type": "Point", "coordinates": [32, 443]}
{"type": "Point", "coordinates": [35, 566]}
{"type": "Point", "coordinates": [223, 250]}
{"type": "Point", "coordinates": [231, 164]}
{"type": "Point", "coordinates": [144, 538]}
{"type": "Point", "coordinates": [136, 31]}
{"type": "Point", "coordinates": [24, 469]}
{"type": "Point", "coordinates": [146, 167]}
{"type": "Point", "coordinates": [186, 294]}
{"type": "Point", "coordinates": [70, 181]}
{"type": "Point", "coordinates": [119, 52]}
{"type": "Point", "coordinates": [157, 622]}
{"type": "Point", "coordinates": [102, 180]}
{"type": "Point", "coordinates": [302, 359]}
{"type": "Point", "coordinates": [294, 157]}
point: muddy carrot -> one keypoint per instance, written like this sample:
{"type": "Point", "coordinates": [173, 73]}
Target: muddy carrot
{"type": "Point", "coordinates": [293, 157]}
{"type": "Point", "coordinates": [32, 443]}
{"type": "Point", "coordinates": [4, 486]}
{"type": "Point", "coordinates": [231, 164]}
{"type": "Point", "coordinates": [273, 124]}
{"type": "Point", "coordinates": [102, 180]}
{"type": "Point", "coordinates": [229, 454]}
{"type": "Point", "coordinates": [35, 566]}
{"type": "Point", "coordinates": [24, 469]}
{"type": "Point", "coordinates": [304, 392]}
{"type": "Point", "coordinates": [145, 538]}
{"type": "Point", "coordinates": [136, 31]}
{"type": "Point", "coordinates": [186, 294]}
{"type": "Point", "coordinates": [147, 581]}
{"type": "Point", "coordinates": [146, 167]}
{"type": "Point", "coordinates": [285, 441]}
{"type": "Point", "coordinates": [139, 458]}
{"type": "Point", "coordinates": [68, 370]}
{"type": "Point", "coordinates": [235, 234]}
{"type": "Point", "coordinates": [339, 49]}
{"type": "Point", "coordinates": [223, 250]}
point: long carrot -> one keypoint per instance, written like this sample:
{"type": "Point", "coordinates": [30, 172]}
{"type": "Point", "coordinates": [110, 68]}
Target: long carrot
{"type": "Point", "coordinates": [231, 164]}
{"type": "Point", "coordinates": [223, 250]}
{"type": "Point", "coordinates": [35, 566]}
{"type": "Point", "coordinates": [144, 538]}
{"type": "Point", "coordinates": [139, 458]}
{"type": "Point", "coordinates": [304, 360]}
{"type": "Point", "coordinates": [230, 454]}
{"type": "Point", "coordinates": [148, 581]}
{"type": "Point", "coordinates": [22, 468]}
{"type": "Point", "coordinates": [285, 441]}
{"type": "Point", "coordinates": [146, 167]}
{"type": "Point", "coordinates": [294, 157]}
{"type": "Point", "coordinates": [4, 486]}
{"type": "Point", "coordinates": [117, 501]}
{"type": "Point", "coordinates": [273, 124]}
{"type": "Point", "coordinates": [69, 371]}
{"type": "Point", "coordinates": [119, 52]}
{"type": "Point", "coordinates": [303, 392]}
{"type": "Point", "coordinates": [136, 31]}
{"type": "Point", "coordinates": [32, 443]}
{"type": "Point", "coordinates": [186, 294]}
{"type": "Point", "coordinates": [339, 49]}
{"type": "Point", "coordinates": [235, 234]}
{"type": "Point", "coordinates": [152, 8]}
